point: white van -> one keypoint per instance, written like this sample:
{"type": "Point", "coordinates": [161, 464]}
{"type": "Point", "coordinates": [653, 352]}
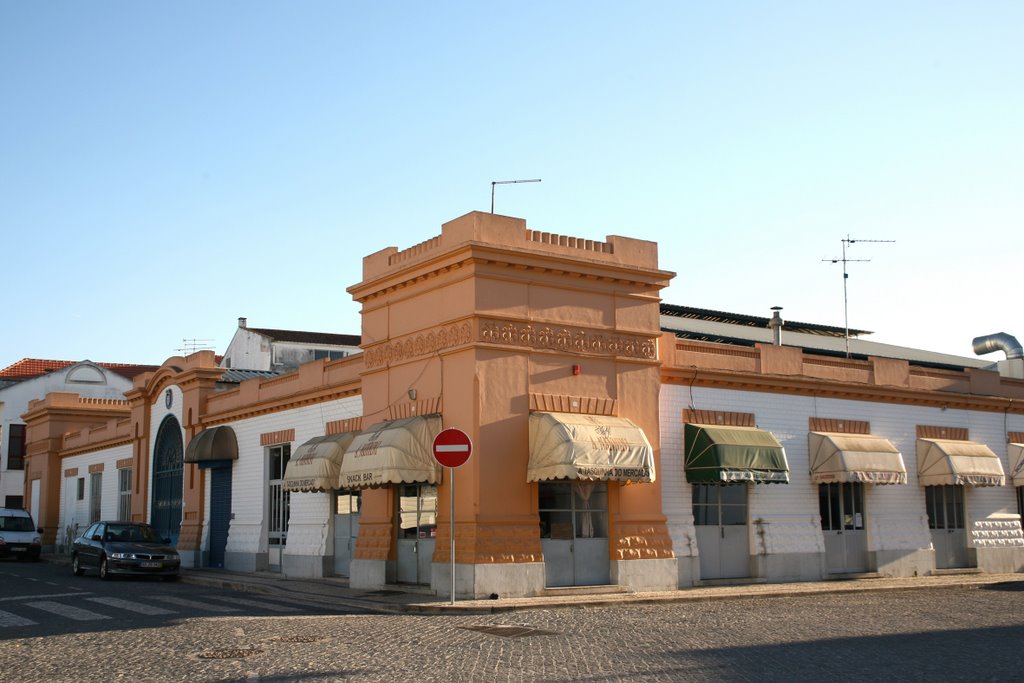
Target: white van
{"type": "Point", "coordinates": [19, 537]}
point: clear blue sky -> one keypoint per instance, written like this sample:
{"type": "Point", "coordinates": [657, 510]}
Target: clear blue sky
{"type": "Point", "coordinates": [168, 167]}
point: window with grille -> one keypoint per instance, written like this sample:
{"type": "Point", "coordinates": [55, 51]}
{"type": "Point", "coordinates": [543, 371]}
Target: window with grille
{"type": "Point", "coordinates": [124, 494]}
{"type": "Point", "coordinates": [279, 503]}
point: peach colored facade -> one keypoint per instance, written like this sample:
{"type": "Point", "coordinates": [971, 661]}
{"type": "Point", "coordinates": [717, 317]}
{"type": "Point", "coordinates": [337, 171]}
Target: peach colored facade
{"type": "Point", "coordinates": [487, 322]}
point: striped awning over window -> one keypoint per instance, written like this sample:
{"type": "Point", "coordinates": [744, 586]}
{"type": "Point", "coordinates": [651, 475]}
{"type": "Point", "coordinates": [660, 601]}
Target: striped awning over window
{"type": "Point", "coordinates": [393, 452]}
{"type": "Point", "coordinates": [949, 462]}
{"type": "Point", "coordinates": [863, 458]}
{"type": "Point", "coordinates": [590, 447]}
{"type": "Point", "coordinates": [716, 454]}
{"type": "Point", "coordinates": [316, 464]}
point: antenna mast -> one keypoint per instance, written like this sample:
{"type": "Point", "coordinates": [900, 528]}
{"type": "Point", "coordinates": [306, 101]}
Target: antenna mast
{"type": "Point", "coordinates": [846, 276]}
{"type": "Point", "coordinates": [507, 182]}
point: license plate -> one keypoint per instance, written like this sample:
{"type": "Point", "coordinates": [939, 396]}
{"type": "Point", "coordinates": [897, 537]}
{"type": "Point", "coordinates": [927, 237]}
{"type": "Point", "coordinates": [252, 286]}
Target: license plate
{"type": "Point", "coordinates": [150, 565]}
{"type": "Point", "coordinates": [18, 550]}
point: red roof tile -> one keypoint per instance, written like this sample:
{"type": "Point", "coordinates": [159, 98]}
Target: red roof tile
{"type": "Point", "coordinates": [27, 368]}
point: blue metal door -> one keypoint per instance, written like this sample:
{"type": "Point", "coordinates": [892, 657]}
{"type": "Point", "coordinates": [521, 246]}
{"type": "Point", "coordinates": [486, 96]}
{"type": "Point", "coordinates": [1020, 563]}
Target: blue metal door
{"type": "Point", "coordinates": [220, 514]}
{"type": "Point", "coordinates": [168, 461]}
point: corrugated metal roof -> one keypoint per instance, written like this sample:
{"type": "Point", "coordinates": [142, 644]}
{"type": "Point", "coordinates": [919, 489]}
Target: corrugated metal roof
{"type": "Point", "coordinates": [754, 321]}
{"type": "Point", "coordinates": [235, 376]}
{"type": "Point", "coordinates": [326, 338]}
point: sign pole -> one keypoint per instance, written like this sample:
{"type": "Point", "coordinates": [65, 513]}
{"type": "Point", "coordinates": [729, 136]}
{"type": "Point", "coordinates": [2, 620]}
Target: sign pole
{"type": "Point", "coordinates": [452, 448]}
{"type": "Point", "coordinates": [452, 529]}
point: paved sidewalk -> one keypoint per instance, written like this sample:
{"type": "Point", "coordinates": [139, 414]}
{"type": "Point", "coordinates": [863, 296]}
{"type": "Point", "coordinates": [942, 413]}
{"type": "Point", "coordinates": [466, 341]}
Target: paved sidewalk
{"type": "Point", "coordinates": [410, 599]}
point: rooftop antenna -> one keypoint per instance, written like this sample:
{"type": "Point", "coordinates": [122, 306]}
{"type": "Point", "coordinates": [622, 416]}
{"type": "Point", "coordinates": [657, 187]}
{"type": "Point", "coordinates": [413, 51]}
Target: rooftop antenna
{"type": "Point", "coordinates": [846, 276]}
{"type": "Point", "coordinates": [190, 346]}
{"type": "Point", "coordinates": [507, 182]}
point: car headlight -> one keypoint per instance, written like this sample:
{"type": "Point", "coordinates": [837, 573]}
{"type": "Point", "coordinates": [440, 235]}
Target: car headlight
{"type": "Point", "coordinates": [121, 556]}
{"type": "Point", "coordinates": [37, 541]}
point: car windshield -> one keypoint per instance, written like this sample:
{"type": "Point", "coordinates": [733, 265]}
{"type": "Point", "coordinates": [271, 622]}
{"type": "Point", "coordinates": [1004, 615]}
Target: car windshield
{"type": "Point", "coordinates": [16, 524]}
{"type": "Point", "coordinates": [131, 533]}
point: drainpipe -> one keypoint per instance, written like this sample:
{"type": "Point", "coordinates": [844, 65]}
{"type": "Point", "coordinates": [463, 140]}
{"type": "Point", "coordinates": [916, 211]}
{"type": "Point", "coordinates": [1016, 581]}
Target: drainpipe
{"type": "Point", "coordinates": [999, 341]}
{"type": "Point", "coordinates": [775, 325]}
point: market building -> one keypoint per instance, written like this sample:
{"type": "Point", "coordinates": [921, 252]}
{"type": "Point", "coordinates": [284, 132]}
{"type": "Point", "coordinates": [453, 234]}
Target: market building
{"type": "Point", "coordinates": [618, 441]}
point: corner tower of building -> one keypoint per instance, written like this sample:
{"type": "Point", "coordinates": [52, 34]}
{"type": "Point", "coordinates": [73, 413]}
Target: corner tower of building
{"type": "Point", "coordinates": [487, 324]}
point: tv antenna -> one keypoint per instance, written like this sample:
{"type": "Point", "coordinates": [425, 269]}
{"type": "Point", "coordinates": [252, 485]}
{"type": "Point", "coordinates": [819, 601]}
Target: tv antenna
{"type": "Point", "coordinates": [190, 346]}
{"type": "Point", "coordinates": [507, 182]}
{"type": "Point", "coordinates": [846, 276]}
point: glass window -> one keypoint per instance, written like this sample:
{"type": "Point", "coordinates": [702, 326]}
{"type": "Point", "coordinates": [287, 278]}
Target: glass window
{"type": "Point", "coordinates": [81, 488]}
{"type": "Point", "coordinates": [570, 510]}
{"type": "Point", "coordinates": [95, 495]}
{"type": "Point", "coordinates": [347, 502]}
{"type": "Point", "coordinates": [715, 504]}
{"type": "Point", "coordinates": [279, 499]}
{"type": "Point", "coordinates": [554, 496]}
{"type": "Point", "coordinates": [945, 506]}
{"type": "Point", "coordinates": [417, 511]}
{"type": "Point", "coordinates": [124, 493]}
{"type": "Point", "coordinates": [16, 447]}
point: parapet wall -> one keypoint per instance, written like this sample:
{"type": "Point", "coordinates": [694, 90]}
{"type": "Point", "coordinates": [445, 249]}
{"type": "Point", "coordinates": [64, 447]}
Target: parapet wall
{"type": "Point", "coordinates": [512, 233]}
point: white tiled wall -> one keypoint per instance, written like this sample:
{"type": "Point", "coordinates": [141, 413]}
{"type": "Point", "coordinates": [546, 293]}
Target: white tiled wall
{"type": "Point", "coordinates": [896, 515]}
{"type": "Point", "coordinates": [73, 511]}
{"type": "Point", "coordinates": [247, 533]}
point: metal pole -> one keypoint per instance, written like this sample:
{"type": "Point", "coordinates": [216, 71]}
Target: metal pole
{"type": "Point", "coordinates": [493, 183]}
{"type": "Point", "coordinates": [846, 309]}
{"type": "Point", "coordinates": [451, 528]}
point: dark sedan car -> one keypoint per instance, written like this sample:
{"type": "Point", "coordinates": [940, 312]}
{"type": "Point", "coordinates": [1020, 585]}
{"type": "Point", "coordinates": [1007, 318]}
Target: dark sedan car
{"type": "Point", "coordinates": [128, 548]}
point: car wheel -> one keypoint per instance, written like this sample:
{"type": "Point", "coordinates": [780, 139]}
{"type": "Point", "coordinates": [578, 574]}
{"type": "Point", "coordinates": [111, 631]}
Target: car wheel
{"type": "Point", "coordinates": [104, 570]}
{"type": "Point", "coordinates": [76, 566]}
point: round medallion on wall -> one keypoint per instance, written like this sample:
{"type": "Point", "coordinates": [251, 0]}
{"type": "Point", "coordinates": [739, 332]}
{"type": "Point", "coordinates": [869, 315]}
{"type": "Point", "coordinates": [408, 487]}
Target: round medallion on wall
{"type": "Point", "coordinates": [168, 398]}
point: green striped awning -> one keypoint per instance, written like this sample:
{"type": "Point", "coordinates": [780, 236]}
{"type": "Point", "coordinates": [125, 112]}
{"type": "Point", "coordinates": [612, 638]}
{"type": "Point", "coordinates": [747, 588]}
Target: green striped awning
{"type": "Point", "coordinates": [716, 454]}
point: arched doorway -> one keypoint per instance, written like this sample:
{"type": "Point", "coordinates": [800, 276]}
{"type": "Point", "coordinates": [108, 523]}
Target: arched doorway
{"type": "Point", "coordinates": [168, 459]}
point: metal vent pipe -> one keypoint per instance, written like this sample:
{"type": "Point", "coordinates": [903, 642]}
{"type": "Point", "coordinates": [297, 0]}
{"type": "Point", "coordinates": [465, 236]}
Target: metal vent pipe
{"type": "Point", "coordinates": [775, 324]}
{"type": "Point", "coordinates": [1000, 341]}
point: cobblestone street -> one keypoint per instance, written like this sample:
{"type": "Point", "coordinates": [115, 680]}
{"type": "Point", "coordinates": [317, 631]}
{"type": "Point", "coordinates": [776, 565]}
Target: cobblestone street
{"type": "Point", "coordinates": [947, 634]}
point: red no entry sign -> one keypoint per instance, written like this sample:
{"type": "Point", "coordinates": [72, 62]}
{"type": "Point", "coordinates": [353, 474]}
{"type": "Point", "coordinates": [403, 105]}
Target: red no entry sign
{"type": "Point", "coordinates": [452, 447]}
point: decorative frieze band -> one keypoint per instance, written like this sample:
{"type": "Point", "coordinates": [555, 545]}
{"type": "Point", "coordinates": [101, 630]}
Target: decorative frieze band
{"type": "Point", "coordinates": [422, 344]}
{"type": "Point", "coordinates": [839, 425]}
{"type": "Point", "coordinates": [541, 336]}
{"type": "Point", "coordinates": [587, 405]}
{"type": "Point", "coordinates": [719, 417]}
{"type": "Point", "coordinates": [567, 339]}
{"type": "Point", "coordinates": [274, 438]}
{"type": "Point", "coordinates": [940, 432]}
{"type": "Point", "coordinates": [349, 424]}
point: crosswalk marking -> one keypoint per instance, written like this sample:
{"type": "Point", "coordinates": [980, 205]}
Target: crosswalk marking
{"type": "Point", "coordinates": [182, 602]}
{"type": "Point", "coordinates": [256, 603]}
{"type": "Point", "coordinates": [60, 609]}
{"type": "Point", "coordinates": [7, 619]}
{"type": "Point", "coordinates": [21, 598]}
{"type": "Point", "coordinates": [137, 607]}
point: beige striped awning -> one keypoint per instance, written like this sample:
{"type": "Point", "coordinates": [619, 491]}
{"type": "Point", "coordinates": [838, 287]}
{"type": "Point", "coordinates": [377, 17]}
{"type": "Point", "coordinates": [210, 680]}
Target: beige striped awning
{"type": "Point", "coordinates": [393, 452]}
{"type": "Point", "coordinates": [592, 447]}
{"type": "Point", "coordinates": [316, 464]}
{"type": "Point", "coordinates": [950, 462]}
{"type": "Point", "coordinates": [863, 458]}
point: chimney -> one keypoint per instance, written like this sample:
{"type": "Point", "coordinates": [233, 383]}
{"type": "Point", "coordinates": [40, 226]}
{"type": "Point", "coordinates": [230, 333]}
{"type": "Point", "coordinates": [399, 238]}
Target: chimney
{"type": "Point", "coordinates": [775, 325]}
{"type": "Point", "coordinates": [241, 323]}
